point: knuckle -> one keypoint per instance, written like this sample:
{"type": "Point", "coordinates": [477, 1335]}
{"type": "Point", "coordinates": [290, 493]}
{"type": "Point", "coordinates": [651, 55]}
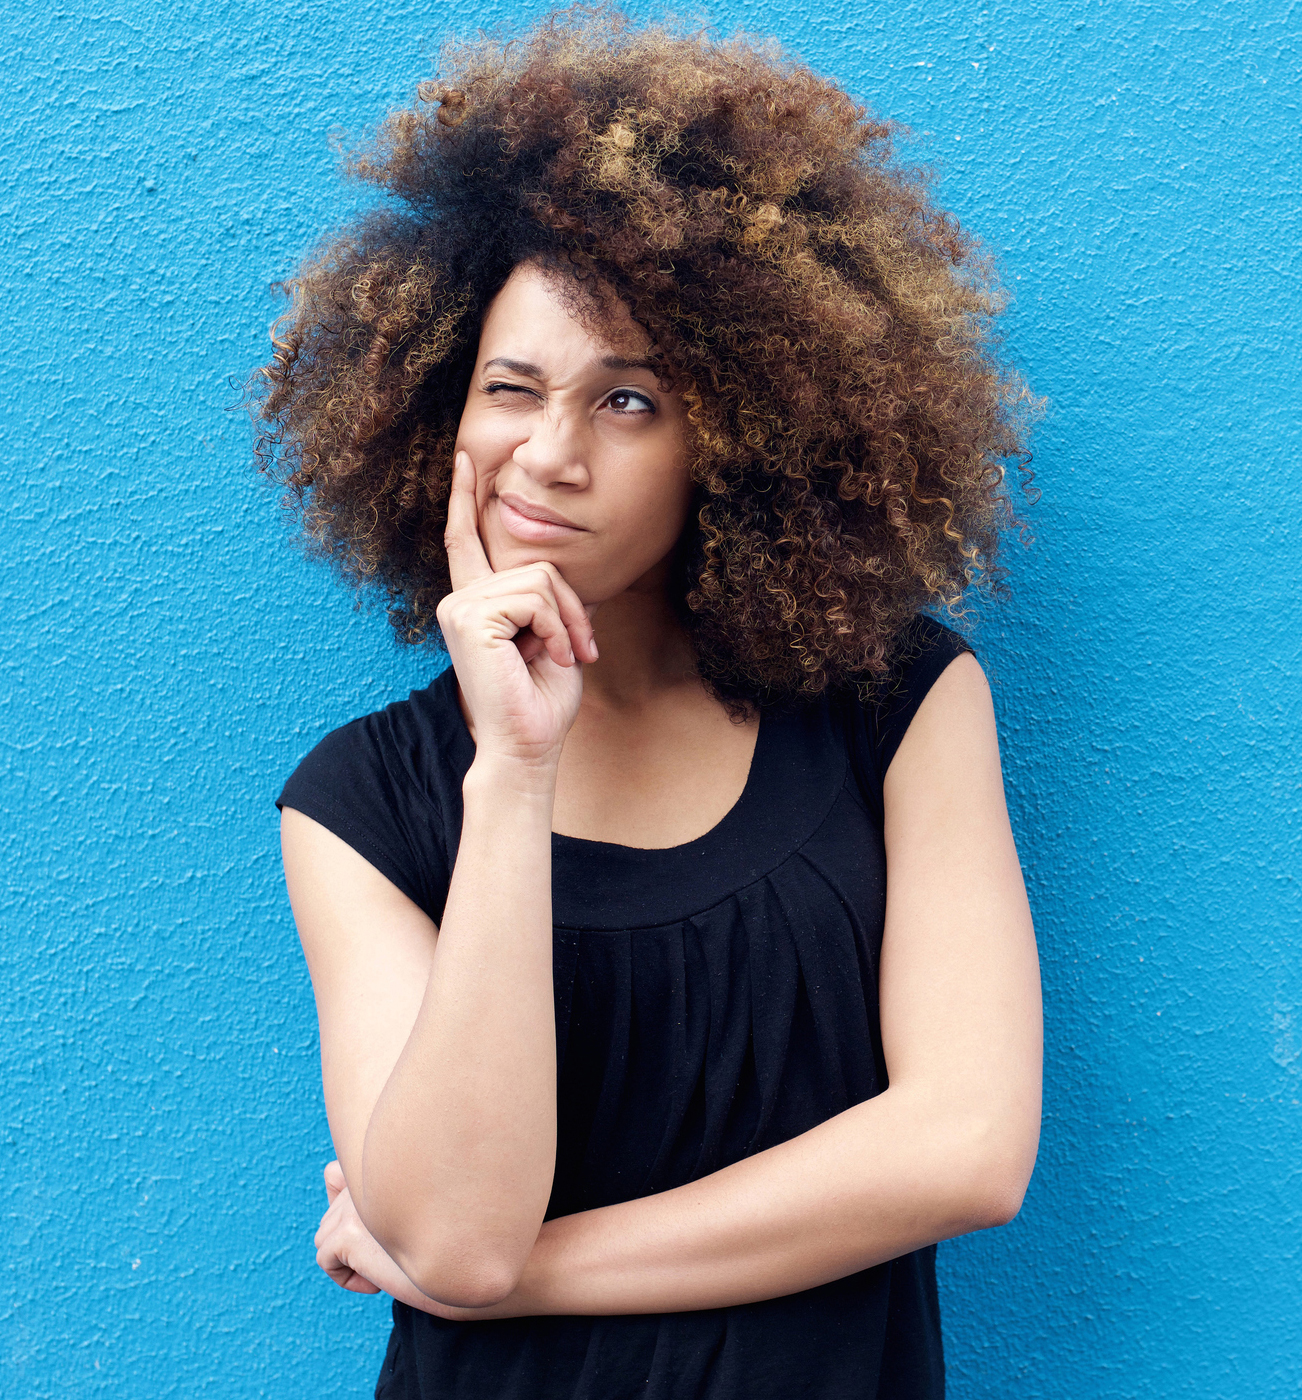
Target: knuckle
{"type": "Point", "coordinates": [451, 613]}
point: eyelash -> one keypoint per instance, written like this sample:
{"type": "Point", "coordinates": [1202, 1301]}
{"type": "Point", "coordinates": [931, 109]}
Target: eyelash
{"type": "Point", "coordinates": [498, 387]}
{"type": "Point", "coordinates": [632, 394]}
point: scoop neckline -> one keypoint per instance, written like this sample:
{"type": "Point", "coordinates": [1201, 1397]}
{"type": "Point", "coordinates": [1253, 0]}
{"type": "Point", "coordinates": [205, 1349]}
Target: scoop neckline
{"type": "Point", "coordinates": [743, 799]}
{"type": "Point", "coordinates": [797, 771]}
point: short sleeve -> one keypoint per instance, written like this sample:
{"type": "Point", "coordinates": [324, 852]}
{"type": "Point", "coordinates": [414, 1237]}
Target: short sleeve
{"type": "Point", "coordinates": [926, 649]}
{"type": "Point", "coordinates": [875, 728]}
{"type": "Point", "coordinates": [361, 783]}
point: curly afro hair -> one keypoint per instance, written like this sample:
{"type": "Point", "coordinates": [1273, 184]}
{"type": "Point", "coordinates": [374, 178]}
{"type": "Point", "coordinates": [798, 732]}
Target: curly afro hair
{"type": "Point", "coordinates": [832, 332]}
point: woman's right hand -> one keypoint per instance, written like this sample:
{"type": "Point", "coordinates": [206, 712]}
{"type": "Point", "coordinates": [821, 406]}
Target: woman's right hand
{"type": "Point", "coordinates": [516, 638]}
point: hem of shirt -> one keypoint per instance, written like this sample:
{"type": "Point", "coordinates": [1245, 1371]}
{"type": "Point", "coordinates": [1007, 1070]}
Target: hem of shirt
{"type": "Point", "coordinates": [322, 808]}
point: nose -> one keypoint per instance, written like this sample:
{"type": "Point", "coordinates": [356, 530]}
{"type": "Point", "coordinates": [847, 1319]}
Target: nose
{"type": "Point", "coordinates": [554, 453]}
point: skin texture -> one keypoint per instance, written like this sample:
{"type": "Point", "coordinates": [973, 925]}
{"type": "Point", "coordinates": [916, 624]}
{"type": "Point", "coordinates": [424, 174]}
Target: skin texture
{"type": "Point", "coordinates": [438, 1045]}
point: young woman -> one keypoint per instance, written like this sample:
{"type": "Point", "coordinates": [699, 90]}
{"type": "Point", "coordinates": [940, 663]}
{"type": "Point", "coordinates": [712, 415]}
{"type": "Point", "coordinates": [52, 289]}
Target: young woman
{"type": "Point", "coordinates": [676, 982]}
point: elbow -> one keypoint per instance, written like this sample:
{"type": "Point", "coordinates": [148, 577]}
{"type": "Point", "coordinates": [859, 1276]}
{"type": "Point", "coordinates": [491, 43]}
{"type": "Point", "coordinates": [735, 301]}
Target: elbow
{"type": "Point", "coordinates": [452, 1253]}
{"type": "Point", "coordinates": [465, 1266]}
{"type": "Point", "coordinates": [458, 1272]}
{"type": "Point", "coordinates": [479, 1283]}
{"type": "Point", "coordinates": [996, 1201]}
{"type": "Point", "coordinates": [995, 1172]}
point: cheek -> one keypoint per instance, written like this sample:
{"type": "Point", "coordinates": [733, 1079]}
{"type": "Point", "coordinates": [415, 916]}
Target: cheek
{"type": "Point", "coordinates": [484, 438]}
{"type": "Point", "coordinates": [490, 444]}
{"type": "Point", "coordinates": [651, 513]}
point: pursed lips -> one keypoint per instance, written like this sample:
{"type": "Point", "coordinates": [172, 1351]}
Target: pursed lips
{"type": "Point", "coordinates": [532, 523]}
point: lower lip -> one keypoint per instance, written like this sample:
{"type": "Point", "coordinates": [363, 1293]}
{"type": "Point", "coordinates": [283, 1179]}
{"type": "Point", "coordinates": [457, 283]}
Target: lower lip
{"type": "Point", "coordinates": [524, 527]}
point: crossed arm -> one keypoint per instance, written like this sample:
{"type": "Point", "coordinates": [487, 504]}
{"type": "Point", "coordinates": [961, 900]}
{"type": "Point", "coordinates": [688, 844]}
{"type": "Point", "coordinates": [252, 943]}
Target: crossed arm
{"type": "Point", "coordinates": [439, 1067]}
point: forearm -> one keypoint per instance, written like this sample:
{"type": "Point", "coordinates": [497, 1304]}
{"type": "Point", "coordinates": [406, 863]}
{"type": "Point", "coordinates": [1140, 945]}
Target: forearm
{"type": "Point", "coordinates": [884, 1178]}
{"type": "Point", "coordinates": [459, 1152]}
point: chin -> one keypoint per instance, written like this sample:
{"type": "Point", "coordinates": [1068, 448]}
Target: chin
{"type": "Point", "coordinates": [514, 554]}
{"type": "Point", "coordinates": [587, 577]}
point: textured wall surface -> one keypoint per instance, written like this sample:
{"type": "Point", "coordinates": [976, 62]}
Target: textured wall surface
{"type": "Point", "coordinates": [167, 658]}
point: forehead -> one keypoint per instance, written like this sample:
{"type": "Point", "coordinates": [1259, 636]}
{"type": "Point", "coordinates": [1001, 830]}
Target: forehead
{"type": "Point", "coordinates": [550, 311]}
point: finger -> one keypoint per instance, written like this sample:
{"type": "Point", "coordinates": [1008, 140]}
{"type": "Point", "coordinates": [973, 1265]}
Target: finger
{"type": "Point", "coordinates": [334, 1179]}
{"type": "Point", "coordinates": [466, 558]}
{"type": "Point", "coordinates": [333, 1213]}
{"type": "Point", "coordinates": [576, 616]}
{"type": "Point", "coordinates": [528, 646]}
{"type": "Point", "coordinates": [325, 1229]}
{"type": "Point", "coordinates": [535, 613]}
{"type": "Point", "coordinates": [343, 1274]}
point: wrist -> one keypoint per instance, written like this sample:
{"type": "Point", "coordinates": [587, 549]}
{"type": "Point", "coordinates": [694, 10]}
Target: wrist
{"type": "Point", "coordinates": [496, 776]}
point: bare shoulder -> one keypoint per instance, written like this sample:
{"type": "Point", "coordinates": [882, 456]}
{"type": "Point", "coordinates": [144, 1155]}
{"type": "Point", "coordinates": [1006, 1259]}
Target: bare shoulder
{"type": "Point", "coordinates": [946, 775]}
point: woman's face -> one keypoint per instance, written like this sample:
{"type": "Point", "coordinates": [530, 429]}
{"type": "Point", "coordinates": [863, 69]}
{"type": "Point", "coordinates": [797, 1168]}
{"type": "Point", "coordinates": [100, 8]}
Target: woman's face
{"type": "Point", "coordinates": [580, 456]}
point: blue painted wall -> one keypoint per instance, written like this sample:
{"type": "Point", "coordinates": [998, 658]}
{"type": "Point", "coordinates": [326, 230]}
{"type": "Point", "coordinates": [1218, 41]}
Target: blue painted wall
{"type": "Point", "coordinates": [167, 658]}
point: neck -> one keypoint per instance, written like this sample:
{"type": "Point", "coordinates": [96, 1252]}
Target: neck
{"type": "Point", "coordinates": [644, 649]}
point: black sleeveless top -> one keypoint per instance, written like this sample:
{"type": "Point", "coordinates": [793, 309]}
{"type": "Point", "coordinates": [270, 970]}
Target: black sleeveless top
{"type": "Point", "coordinates": [712, 1000]}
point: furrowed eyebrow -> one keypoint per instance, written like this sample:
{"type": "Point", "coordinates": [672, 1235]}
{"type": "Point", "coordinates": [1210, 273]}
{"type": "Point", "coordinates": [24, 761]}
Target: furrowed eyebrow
{"type": "Point", "coordinates": [517, 367]}
{"type": "Point", "coordinates": [532, 371]}
{"type": "Point", "coordinates": [618, 362]}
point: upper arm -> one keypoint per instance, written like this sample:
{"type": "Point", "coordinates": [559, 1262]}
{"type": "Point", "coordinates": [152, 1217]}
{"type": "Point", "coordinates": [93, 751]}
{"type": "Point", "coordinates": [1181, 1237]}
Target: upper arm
{"type": "Point", "coordinates": [960, 987]}
{"type": "Point", "coordinates": [368, 950]}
